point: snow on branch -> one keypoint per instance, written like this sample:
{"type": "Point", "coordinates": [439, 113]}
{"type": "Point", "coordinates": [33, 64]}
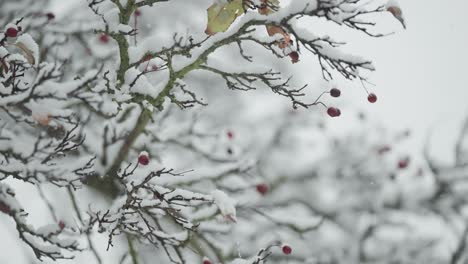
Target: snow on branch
{"type": "Point", "coordinates": [101, 101]}
{"type": "Point", "coordinates": [47, 241]}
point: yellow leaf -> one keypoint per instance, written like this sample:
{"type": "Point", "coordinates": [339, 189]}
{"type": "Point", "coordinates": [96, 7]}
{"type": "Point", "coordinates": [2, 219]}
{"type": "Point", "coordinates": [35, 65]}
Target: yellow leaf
{"type": "Point", "coordinates": [221, 16]}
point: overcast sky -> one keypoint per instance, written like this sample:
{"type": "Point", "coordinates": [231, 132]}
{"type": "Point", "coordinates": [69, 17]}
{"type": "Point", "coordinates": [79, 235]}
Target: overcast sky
{"type": "Point", "coordinates": [420, 71]}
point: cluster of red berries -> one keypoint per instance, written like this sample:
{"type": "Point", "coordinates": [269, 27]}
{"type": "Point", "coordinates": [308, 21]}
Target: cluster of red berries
{"type": "Point", "coordinates": [335, 92]}
{"type": "Point", "coordinates": [334, 111]}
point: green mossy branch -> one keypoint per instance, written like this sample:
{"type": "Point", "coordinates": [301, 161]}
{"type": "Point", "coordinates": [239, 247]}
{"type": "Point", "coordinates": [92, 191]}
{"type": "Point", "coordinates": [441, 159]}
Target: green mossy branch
{"type": "Point", "coordinates": [107, 183]}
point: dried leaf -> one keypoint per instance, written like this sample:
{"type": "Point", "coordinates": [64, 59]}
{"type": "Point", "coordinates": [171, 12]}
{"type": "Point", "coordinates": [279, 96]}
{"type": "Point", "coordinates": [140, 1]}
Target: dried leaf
{"type": "Point", "coordinates": [265, 10]}
{"type": "Point", "coordinates": [221, 16]}
{"type": "Point", "coordinates": [284, 43]}
{"type": "Point", "coordinates": [42, 119]}
{"type": "Point", "coordinates": [395, 10]}
{"type": "Point", "coordinates": [272, 30]}
{"type": "Point", "coordinates": [26, 52]}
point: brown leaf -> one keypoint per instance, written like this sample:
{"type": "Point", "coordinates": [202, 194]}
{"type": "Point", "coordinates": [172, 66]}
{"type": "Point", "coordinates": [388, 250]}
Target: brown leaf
{"type": "Point", "coordinates": [397, 13]}
{"type": "Point", "coordinates": [395, 10]}
{"type": "Point", "coordinates": [283, 43]}
{"type": "Point", "coordinates": [272, 30]}
{"type": "Point", "coordinates": [264, 10]}
{"type": "Point", "coordinates": [42, 119]}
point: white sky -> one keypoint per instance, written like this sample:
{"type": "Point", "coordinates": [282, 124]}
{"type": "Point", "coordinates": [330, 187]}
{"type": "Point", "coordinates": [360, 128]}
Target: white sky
{"type": "Point", "coordinates": [420, 71]}
{"type": "Point", "coordinates": [419, 77]}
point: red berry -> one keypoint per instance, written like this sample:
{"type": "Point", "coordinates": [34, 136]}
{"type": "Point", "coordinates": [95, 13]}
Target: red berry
{"type": "Point", "coordinates": [137, 12]}
{"type": "Point", "coordinates": [262, 188]}
{"type": "Point", "coordinates": [286, 249]}
{"type": "Point", "coordinates": [403, 163]}
{"type": "Point", "coordinates": [104, 38]}
{"type": "Point", "coordinates": [335, 92]}
{"type": "Point", "coordinates": [294, 56]}
{"type": "Point", "coordinates": [11, 32]}
{"type": "Point", "coordinates": [50, 16]}
{"type": "Point", "coordinates": [372, 98]}
{"type": "Point", "coordinates": [230, 134]}
{"type": "Point", "coordinates": [61, 225]}
{"type": "Point", "coordinates": [333, 112]}
{"type": "Point", "coordinates": [206, 261]}
{"type": "Point", "coordinates": [4, 208]}
{"type": "Point", "coordinates": [143, 159]}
